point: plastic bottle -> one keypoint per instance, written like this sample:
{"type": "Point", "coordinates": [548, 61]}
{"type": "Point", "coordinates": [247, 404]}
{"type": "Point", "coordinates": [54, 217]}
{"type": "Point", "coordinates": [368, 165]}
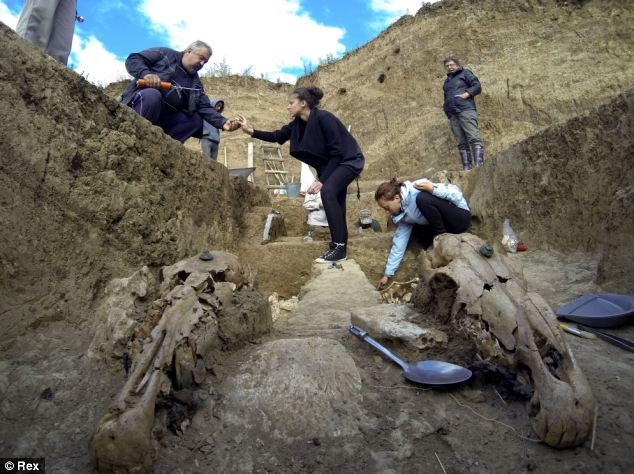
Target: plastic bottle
{"type": "Point", "coordinates": [509, 239]}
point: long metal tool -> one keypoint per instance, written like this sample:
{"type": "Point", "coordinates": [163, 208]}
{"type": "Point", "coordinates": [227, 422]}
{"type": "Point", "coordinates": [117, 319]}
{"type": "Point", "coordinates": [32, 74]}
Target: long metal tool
{"type": "Point", "coordinates": [430, 372]}
{"type": "Point", "coordinates": [166, 85]}
{"type": "Point", "coordinates": [625, 344]}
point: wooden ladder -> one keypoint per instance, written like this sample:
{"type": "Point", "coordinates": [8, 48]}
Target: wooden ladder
{"type": "Point", "coordinates": [275, 172]}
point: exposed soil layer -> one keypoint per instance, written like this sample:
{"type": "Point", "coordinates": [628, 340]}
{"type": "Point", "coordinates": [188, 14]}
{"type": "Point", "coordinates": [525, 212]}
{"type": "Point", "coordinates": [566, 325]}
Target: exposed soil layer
{"type": "Point", "coordinates": [569, 188]}
{"type": "Point", "coordinates": [90, 192]}
{"type": "Point", "coordinates": [540, 62]}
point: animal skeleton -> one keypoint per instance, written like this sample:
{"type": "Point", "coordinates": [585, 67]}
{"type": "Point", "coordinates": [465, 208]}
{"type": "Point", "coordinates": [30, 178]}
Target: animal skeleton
{"type": "Point", "coordinates": [511, 327]}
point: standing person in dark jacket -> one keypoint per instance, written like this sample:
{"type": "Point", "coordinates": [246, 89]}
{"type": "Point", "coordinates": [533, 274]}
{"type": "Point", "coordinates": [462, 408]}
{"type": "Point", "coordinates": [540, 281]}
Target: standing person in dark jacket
{"type": "Point", "coordinates": [320, 140]}
{"type": "Point", "coordinates": [460, 88]}
{"type": "Point", "coordinates": [181, 109]}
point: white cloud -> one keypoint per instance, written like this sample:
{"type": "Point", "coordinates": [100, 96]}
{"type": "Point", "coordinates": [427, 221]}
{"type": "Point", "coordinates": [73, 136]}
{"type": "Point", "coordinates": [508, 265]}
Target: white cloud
{"type": "Point", "coordinates": [268, 36]}
{"type": "Point", "coordinates": [93, 61]}
{"type": "Point", "coordinates": [390, 10]}
{"type": "Point", "coordinates": [7, 17]}
{"type": "Point", "coordinates": [396, 7]}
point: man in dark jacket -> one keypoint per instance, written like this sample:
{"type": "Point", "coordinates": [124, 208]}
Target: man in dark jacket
{"type": "Point", "coordinates": [460, 88]}
{"type": "Point", "coordinates": [180, 109]}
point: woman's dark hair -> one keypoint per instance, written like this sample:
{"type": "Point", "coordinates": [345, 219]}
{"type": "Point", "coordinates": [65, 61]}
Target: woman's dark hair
{"type": "Point", "coordinates": [312, 95]}
{"type": "Point", "coordinates": [388, 190]}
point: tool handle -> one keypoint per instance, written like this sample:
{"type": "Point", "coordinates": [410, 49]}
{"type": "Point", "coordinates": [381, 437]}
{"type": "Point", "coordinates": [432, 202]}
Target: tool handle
{"type": "Point", "coordinates": [162, 85]}
{"type": "Point", "coordinates": [357, 331]}
{"type": "Point", "coordinates": [577, 332]}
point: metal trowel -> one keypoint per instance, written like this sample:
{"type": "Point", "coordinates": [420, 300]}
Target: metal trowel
{"type": "Point", "coordinates": [430, 372]}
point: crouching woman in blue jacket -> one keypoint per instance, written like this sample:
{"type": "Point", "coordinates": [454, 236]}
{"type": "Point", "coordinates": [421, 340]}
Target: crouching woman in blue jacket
{"type": "Point", "coordinates": [441, 208]}
{"type": "Point", "coordinates": [320, 140]}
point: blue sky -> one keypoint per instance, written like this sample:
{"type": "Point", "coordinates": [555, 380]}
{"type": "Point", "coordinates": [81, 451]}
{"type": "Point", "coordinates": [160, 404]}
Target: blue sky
{"type": "Point", "coordinates": [274, 39]}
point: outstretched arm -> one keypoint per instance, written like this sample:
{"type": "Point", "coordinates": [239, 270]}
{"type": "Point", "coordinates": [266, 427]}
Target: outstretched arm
{"type": "Point", "coordinates": [279, 136]}
{"type": "Point", "coordinates": [399, 245]}
{"type": "Point", "coordinates": [210, 114]}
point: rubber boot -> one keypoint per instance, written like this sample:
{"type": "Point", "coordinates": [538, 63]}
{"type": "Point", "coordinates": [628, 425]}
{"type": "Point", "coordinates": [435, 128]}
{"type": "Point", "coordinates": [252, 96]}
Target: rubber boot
{"type": "Point", "coordinates": [478, 154]}
{"type": "Point", "coordinates": [465, 156]}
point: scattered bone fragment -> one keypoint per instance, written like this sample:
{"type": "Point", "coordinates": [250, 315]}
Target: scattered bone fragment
{"type": "Point", "coordinates": [399, 292]}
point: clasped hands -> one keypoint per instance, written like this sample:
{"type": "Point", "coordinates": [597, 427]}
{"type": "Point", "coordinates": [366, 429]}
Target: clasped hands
{"type": "Point", "coordinates": [238, 122]}
{"type": "Point", "coordinates": [231, 125]}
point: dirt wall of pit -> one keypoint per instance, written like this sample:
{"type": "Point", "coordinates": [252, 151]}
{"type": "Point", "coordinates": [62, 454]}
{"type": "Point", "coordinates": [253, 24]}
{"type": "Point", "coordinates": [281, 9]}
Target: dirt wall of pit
{"type": "Point", "coordinates": [90, 191]}
{"type": "Point", "coordinates": [569, 188]}
{"type": "Point", "coordinates": [540, 63]}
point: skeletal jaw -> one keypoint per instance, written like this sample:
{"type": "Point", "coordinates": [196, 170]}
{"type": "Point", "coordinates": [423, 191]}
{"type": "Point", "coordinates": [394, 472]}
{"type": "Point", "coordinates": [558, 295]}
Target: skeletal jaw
{"type": "Point", "coordinates": [482, 298]}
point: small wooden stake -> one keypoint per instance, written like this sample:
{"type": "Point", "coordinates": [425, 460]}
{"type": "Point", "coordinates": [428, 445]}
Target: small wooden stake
{"type": "Point", "coordinates": [250, 160]}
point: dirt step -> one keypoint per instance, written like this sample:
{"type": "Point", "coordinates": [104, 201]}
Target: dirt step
{"type": "Point", "coordinates": [326, 300]}
{"type": "Point", "coordinates": [284, 266]}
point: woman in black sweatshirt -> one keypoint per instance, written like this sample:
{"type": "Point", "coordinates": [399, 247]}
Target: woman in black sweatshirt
{"type": "Point", "coordinates": [319, 139]}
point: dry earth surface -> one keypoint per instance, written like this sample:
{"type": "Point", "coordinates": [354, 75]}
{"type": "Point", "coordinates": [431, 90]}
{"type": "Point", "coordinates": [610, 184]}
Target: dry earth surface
{"type": "Point", "coordinates": [540, 62]}
{"type": "Point", "coordinates": [90, 192]}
